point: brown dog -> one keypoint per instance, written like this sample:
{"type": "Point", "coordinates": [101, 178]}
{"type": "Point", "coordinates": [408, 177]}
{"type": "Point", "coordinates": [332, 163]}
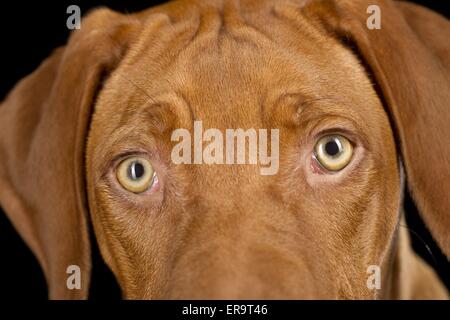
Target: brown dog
{"type": "Point", "coordinates": [313, 70]}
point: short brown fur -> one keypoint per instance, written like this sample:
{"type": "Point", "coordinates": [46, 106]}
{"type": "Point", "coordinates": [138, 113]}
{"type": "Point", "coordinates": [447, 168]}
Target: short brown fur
{"type": "Point", "coordinates": [123, 83]}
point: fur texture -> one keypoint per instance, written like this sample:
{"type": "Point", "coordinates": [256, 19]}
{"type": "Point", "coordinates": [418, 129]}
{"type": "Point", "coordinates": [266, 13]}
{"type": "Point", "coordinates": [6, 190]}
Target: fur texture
{"type": "Point", "coordinates": [123, 83]}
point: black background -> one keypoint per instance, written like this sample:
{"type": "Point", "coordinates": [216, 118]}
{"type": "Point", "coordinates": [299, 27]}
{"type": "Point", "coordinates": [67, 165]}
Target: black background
{"type": "Point", "coordinates": [28, 33]}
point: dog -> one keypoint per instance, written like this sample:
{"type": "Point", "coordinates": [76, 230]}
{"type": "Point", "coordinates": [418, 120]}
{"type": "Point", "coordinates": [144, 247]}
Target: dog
{"type": "Point", "coordinates": [361, 113]}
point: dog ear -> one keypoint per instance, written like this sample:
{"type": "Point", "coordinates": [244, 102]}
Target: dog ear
{"type": "Point", "coordinates": [44, 123]}
{"type": "Point", "coordinates": [409, 60]}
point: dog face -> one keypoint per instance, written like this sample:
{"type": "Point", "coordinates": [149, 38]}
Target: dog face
{"type": "Point", "coordinates": [191, 234]}
{"type": "Point", "coordinates": [311, 230]}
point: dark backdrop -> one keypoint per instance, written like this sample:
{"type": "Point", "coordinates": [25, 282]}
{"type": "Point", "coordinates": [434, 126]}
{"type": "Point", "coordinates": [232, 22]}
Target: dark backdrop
{"type": "Point", "coordinates": [29, 30]}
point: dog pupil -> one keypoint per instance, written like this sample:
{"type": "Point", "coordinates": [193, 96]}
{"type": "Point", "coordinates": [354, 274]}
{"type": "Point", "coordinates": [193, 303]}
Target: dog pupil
{"type": "Point", "coordinates": [332, 148]}
{"type": "Point", "coordinates": [136, 171]}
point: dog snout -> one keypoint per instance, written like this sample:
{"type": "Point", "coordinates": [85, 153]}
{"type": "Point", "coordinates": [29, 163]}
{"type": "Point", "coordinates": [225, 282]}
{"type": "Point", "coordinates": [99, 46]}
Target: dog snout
{"type": "Point", "coordinates": [244, 254]}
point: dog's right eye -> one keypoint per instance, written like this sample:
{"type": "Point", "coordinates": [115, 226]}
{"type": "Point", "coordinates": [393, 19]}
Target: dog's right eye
{"type": "Point", "coordinates": [136, 174]}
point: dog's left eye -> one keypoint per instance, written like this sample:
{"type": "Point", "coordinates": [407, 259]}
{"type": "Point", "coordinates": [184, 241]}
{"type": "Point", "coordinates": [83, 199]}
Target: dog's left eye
{"type": "Point", "coordinates": [333, 152]}
{"type": "Point", "coordinates": [136, 174]}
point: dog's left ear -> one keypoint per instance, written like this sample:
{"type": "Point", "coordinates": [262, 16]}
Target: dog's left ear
{"type": "Point", "coordinates": [44, 123]}
{"type": "Point", "coordinates": [409, 60]}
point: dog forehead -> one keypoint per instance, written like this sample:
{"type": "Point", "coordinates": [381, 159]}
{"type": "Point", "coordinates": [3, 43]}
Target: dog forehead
{"type": "Point", "coordinates": [228, 57]}
{"type": "Point", "coordinates": [195, 35]}
{"type": "Point", "coordinates": [226, 64]}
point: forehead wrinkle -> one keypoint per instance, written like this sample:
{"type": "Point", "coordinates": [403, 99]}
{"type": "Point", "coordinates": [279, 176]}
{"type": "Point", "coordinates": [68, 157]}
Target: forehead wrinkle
{"type": "Point", "coordinates": [206, 23]}
{"type": "Point", "coordinates": [292, 14]}
{"type": "Point", "coordinates": [161, 40]}
{"type": "Point", "coordinates": [193, 67]}
{"type": "Point", "coordinates": [151, 121]}
{"type": "Point", "coordinates": [216, 22]}
{"type": "Point", "coordinates": [203, 35]}
{"type": "Point", "coordinates": [291, 107]}
{"type": "Point", "coordinates": [170, 110]}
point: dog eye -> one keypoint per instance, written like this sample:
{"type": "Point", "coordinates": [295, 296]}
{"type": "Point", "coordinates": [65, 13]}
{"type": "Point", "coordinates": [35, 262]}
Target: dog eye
{"type": "Point", "coordinates": [333, 152]}
{"type": "Point", "coordinates": [136, 174]}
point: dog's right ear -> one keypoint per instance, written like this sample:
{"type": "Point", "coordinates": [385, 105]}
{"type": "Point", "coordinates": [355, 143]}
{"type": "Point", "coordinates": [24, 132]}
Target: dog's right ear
{"type": "Point", "coordinates": [44, 123]}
